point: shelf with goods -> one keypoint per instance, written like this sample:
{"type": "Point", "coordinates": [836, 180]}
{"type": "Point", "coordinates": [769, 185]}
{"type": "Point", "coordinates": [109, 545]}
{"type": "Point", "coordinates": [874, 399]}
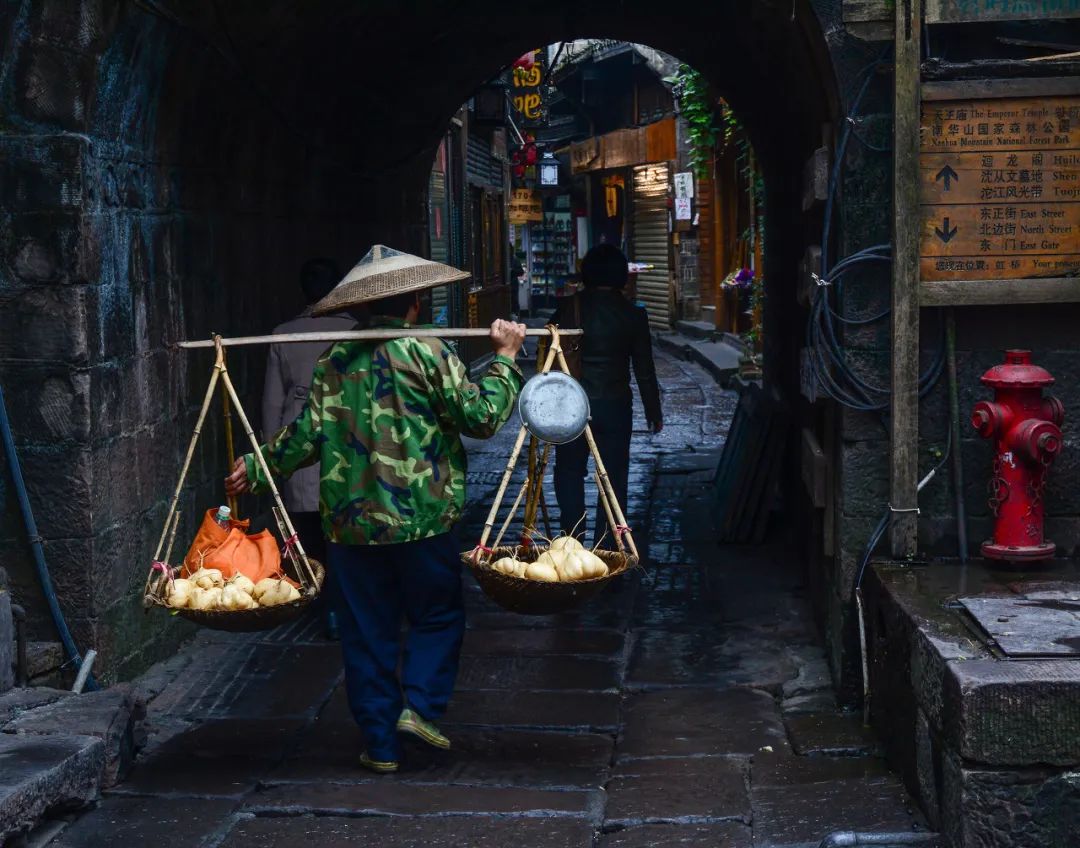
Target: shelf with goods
{"type": "Point", "coordinates": [551, 253]}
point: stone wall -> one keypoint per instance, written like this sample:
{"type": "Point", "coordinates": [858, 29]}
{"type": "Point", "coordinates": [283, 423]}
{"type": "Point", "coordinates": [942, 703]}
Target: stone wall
{"type": "Point", "coordinates": [148, 198]}
{"type": "Point", "coordinates": [170, 167]}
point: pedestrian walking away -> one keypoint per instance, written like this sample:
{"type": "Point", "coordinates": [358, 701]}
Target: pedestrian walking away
{"type": "Point", "coordinates": [384, 422]}
{"type": "Point", "coordinates": [616, 337]}
{"type": "Point", "coordinates": [285, 391]}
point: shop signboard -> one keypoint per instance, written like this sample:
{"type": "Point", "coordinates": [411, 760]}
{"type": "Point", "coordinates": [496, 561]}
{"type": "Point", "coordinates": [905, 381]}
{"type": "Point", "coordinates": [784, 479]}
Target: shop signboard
{"type": "Point", "coordinates": [525, 207]}
{"type": "Point", "coordinates": [684, 185]}
{"type": "Point", "coordinates": [526, 97]}
{"type": "Point", "coordinates": [999, 184]}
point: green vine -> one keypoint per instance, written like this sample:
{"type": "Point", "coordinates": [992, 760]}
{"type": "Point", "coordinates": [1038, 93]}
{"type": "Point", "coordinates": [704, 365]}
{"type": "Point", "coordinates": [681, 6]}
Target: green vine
{"type": "Point", "coordinates": [697, 108]}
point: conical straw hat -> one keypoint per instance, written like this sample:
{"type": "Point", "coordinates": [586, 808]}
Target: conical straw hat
{"type": "Point", "coordinates": [384, 272]}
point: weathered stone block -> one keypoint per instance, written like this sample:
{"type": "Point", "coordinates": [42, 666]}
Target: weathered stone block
{"type": "Point", "coordinates": [47, 404]}
{"type": "Point", "coordinates": [41, 174]}
{"type": "Point", "coordinates": [7, 643]}
{"type": "Point", "coordinates": [54, 247]}
{"type": "Point", "coordinates": [1029, 808]}
{"type": "Point", "coordinates": [928, 770]}
{"type": "Point", "coordinates": [677, 789]}
{"type": "Point", "coordinates": [112, 715]}
{"type": "Point", "coordinates": [58, 481]}
{"type": "Point", "coordinates": [685, 722]}
{"type": "Point", "coordinates": [85, 24]}
{"type": "Point", "coordinates": [53, 86]}
{"type": "Point", "coordinates": [49, 324]}
{"type": "Point", "coordinates": [864, 478]}
{"type": "Point", "coordinates": [1014, 713]}
{"type": "Point", "coordinates": [18, 701]}
{"type": "Point", "coordinates": [43, 774]}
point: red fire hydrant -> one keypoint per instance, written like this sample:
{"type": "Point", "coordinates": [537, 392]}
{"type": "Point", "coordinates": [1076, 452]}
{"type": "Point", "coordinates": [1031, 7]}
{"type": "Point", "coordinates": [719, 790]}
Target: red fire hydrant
{"type": "Point", "coordinates": [1027, 429]}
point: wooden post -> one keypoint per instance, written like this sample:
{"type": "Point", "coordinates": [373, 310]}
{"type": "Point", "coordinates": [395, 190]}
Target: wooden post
{"type": "Point", "coordinates": [904, 419]}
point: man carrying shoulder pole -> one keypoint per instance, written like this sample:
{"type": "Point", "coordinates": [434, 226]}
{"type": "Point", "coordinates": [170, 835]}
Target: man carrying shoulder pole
{"type": "Point", "coordinates": [384, 421]}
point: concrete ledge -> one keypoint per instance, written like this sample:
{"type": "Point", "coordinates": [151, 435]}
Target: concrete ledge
{"type": "Point", "coordinates": [112, 715]}
{"type": "Point", "coordinates": [989, 746]}
{"type": "Point", "coordinates": [1016, 713]}
{"type": "Point", "coordinates": [39, 775]}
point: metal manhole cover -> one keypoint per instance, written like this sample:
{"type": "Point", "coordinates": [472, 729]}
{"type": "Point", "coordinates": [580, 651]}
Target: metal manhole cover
{"type": "Point", "coordinates": [1044, 626]}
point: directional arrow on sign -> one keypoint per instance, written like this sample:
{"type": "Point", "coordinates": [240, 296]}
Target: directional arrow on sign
{"type": "Point", "coordinates": [948, 175]}
{"type": "Point", "coordinates": [944, 233]}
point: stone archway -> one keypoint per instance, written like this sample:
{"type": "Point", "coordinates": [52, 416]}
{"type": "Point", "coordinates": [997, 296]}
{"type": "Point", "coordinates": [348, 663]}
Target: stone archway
{"type": "Point", "coordinates": [173, 164]}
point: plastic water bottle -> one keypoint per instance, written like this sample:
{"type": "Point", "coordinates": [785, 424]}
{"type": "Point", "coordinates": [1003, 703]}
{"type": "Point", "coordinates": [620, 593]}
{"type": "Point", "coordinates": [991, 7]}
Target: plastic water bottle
{"type": "Point", "coordinates": [222, 517]}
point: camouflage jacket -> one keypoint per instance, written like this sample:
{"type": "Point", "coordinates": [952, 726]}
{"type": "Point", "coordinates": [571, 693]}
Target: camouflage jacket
{"type": "Point", "coordinates": [384, 421]}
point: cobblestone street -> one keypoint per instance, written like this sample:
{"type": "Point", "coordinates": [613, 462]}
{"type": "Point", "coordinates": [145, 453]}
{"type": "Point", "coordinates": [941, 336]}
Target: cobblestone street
{"type": "Point", "coordinates": [688, 705]}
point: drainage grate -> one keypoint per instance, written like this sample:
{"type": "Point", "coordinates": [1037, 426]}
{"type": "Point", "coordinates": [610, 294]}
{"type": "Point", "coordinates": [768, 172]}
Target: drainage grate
{"type": "Point", "coordinates": [1039, 624]}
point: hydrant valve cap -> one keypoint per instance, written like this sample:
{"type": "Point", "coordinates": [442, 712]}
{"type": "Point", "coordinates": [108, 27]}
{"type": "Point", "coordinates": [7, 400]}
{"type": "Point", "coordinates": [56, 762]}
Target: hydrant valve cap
{"type": "Point", "coordinates": [1017, 372]}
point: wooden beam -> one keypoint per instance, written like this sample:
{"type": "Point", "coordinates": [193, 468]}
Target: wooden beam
{"type": "Point", "coordinates": [904, 417]}
{"type": "Point", "coordinates": [999, 292]}
{"type": "Point", "coordinates": [377, 334]}
{"type": "Point", "coordinates": [975, 89]}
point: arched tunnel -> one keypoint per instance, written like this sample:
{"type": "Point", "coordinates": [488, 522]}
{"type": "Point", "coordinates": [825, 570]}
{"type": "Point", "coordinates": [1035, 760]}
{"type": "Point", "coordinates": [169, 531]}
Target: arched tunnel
{"type": "Point", "coordinates": [168, 166]}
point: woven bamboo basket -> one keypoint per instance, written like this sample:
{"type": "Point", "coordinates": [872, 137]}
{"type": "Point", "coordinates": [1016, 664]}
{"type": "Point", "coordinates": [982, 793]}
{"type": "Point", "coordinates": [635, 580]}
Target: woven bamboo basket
{"type": "Point", "coordinates": [295, 562]}
{"type": "Point", "coordinates": [534, 597]}
{"type": "Point", "coordinates": [260, 618]}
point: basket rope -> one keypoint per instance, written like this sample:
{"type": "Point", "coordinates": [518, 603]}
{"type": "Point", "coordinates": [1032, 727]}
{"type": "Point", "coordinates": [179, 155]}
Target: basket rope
{"type": "Point", "coordinates": [157, 577]}
{"type": "Point", "coordinates": [533, 484]}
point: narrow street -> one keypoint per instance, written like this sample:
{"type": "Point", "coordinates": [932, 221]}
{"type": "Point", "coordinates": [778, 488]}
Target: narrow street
{"type": "Point", "coordinates": [689, 705]}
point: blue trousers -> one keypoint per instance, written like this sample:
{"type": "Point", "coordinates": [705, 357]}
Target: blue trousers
{"type": "Point", "coordinates": [379, 586]}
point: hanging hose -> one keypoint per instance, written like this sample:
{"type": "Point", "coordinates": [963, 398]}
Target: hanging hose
{"type": "Point", "coordinates": [957, 454]}
{"type": "Point", "coordinates": [847, 838]}
{"type": "Point", "coordinates": [35, 544]}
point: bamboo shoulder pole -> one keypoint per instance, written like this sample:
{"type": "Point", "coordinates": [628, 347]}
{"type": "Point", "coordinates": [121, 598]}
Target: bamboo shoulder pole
{"type": "Point", "coordinates": [377, 334]}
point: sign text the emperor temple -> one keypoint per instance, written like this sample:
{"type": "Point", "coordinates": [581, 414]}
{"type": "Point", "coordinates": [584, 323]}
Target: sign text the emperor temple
{"type": "Point", "coordinates": [1000, 188]}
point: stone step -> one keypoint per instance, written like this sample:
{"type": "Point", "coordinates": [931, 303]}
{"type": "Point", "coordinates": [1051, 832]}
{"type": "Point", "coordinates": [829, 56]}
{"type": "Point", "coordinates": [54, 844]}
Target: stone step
{"type": "Point", "coordinates": [40, 775]}
{"type": "Point", "coordinates": [701, 330]}
{"type": "Point", "coordinates": [112, 715]}
{"type": "Point", "coordinates": [718, 358]}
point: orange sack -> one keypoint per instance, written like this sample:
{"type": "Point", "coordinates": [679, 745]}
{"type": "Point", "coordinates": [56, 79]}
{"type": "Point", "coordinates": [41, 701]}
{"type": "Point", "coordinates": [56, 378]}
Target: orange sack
{"type": "Point", "coordinates": [233, 551]}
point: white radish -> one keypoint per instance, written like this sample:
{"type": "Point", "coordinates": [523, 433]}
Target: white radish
{"type": "Point", "coordinates": [234, 598]}
{"type": "Point", "coordinates": [263, 586]}
{"type": "Point", "coordinates": [283, 593]}
{"type": "Point", "coordinates": [571, 568]}
{"type": "Point", "coordinates": [566, 543]}
{"type": "Point", "coordinates": [207, 578]}
{"type": "Point", "coordinates": [180, 592]}
{"type": "Point", "coordinates": [243, 583]}
{"type": "Point", "coordinates": [205, 599]}
{"type": "Point", "coordinates": [544, 572]}
{"type": "Point", "coordinates": [592, 565]}
{"type": "Point", "coordinates": [504, 565]}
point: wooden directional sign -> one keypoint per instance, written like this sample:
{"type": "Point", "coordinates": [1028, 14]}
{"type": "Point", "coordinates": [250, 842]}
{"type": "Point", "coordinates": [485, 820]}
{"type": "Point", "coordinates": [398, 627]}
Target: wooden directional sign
{"type": "Point", "coordinates": [957, 11]}
{"type": "Point", "coordinates": [999, 188]}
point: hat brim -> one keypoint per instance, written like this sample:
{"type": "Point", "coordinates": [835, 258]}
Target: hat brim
{"type": "Point", "coordinates": [414, 278]}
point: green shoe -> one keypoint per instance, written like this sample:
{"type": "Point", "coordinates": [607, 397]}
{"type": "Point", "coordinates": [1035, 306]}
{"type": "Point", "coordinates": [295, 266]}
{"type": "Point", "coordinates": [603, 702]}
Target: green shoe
{"type": "Point", "coordinates": [378, 766]}
{"type": "Point", "coordinates": [422, 729]}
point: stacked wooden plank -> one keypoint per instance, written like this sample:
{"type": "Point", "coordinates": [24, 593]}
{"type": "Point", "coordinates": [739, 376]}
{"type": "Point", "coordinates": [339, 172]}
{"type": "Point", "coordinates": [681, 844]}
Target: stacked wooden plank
{"type": "Point", "coordinates": [750, 466]}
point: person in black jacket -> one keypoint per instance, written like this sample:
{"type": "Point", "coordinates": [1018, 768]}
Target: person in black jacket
{"type": "Point", "coordinates": [616, 335]}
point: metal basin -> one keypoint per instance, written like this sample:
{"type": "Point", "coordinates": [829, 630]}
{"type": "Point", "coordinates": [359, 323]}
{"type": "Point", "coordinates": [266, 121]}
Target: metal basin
{"type": "Point", "coordinates": [554, 408]}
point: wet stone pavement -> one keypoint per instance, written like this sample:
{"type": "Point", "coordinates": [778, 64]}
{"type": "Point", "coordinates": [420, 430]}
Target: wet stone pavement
{"type": "Point", "coordinates": [688, 705]}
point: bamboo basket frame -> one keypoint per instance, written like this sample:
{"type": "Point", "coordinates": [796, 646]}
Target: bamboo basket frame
{"type": "Point", "coordinates": [309, 573]}
{"type": "Point", "coordinates": [530, 596]}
